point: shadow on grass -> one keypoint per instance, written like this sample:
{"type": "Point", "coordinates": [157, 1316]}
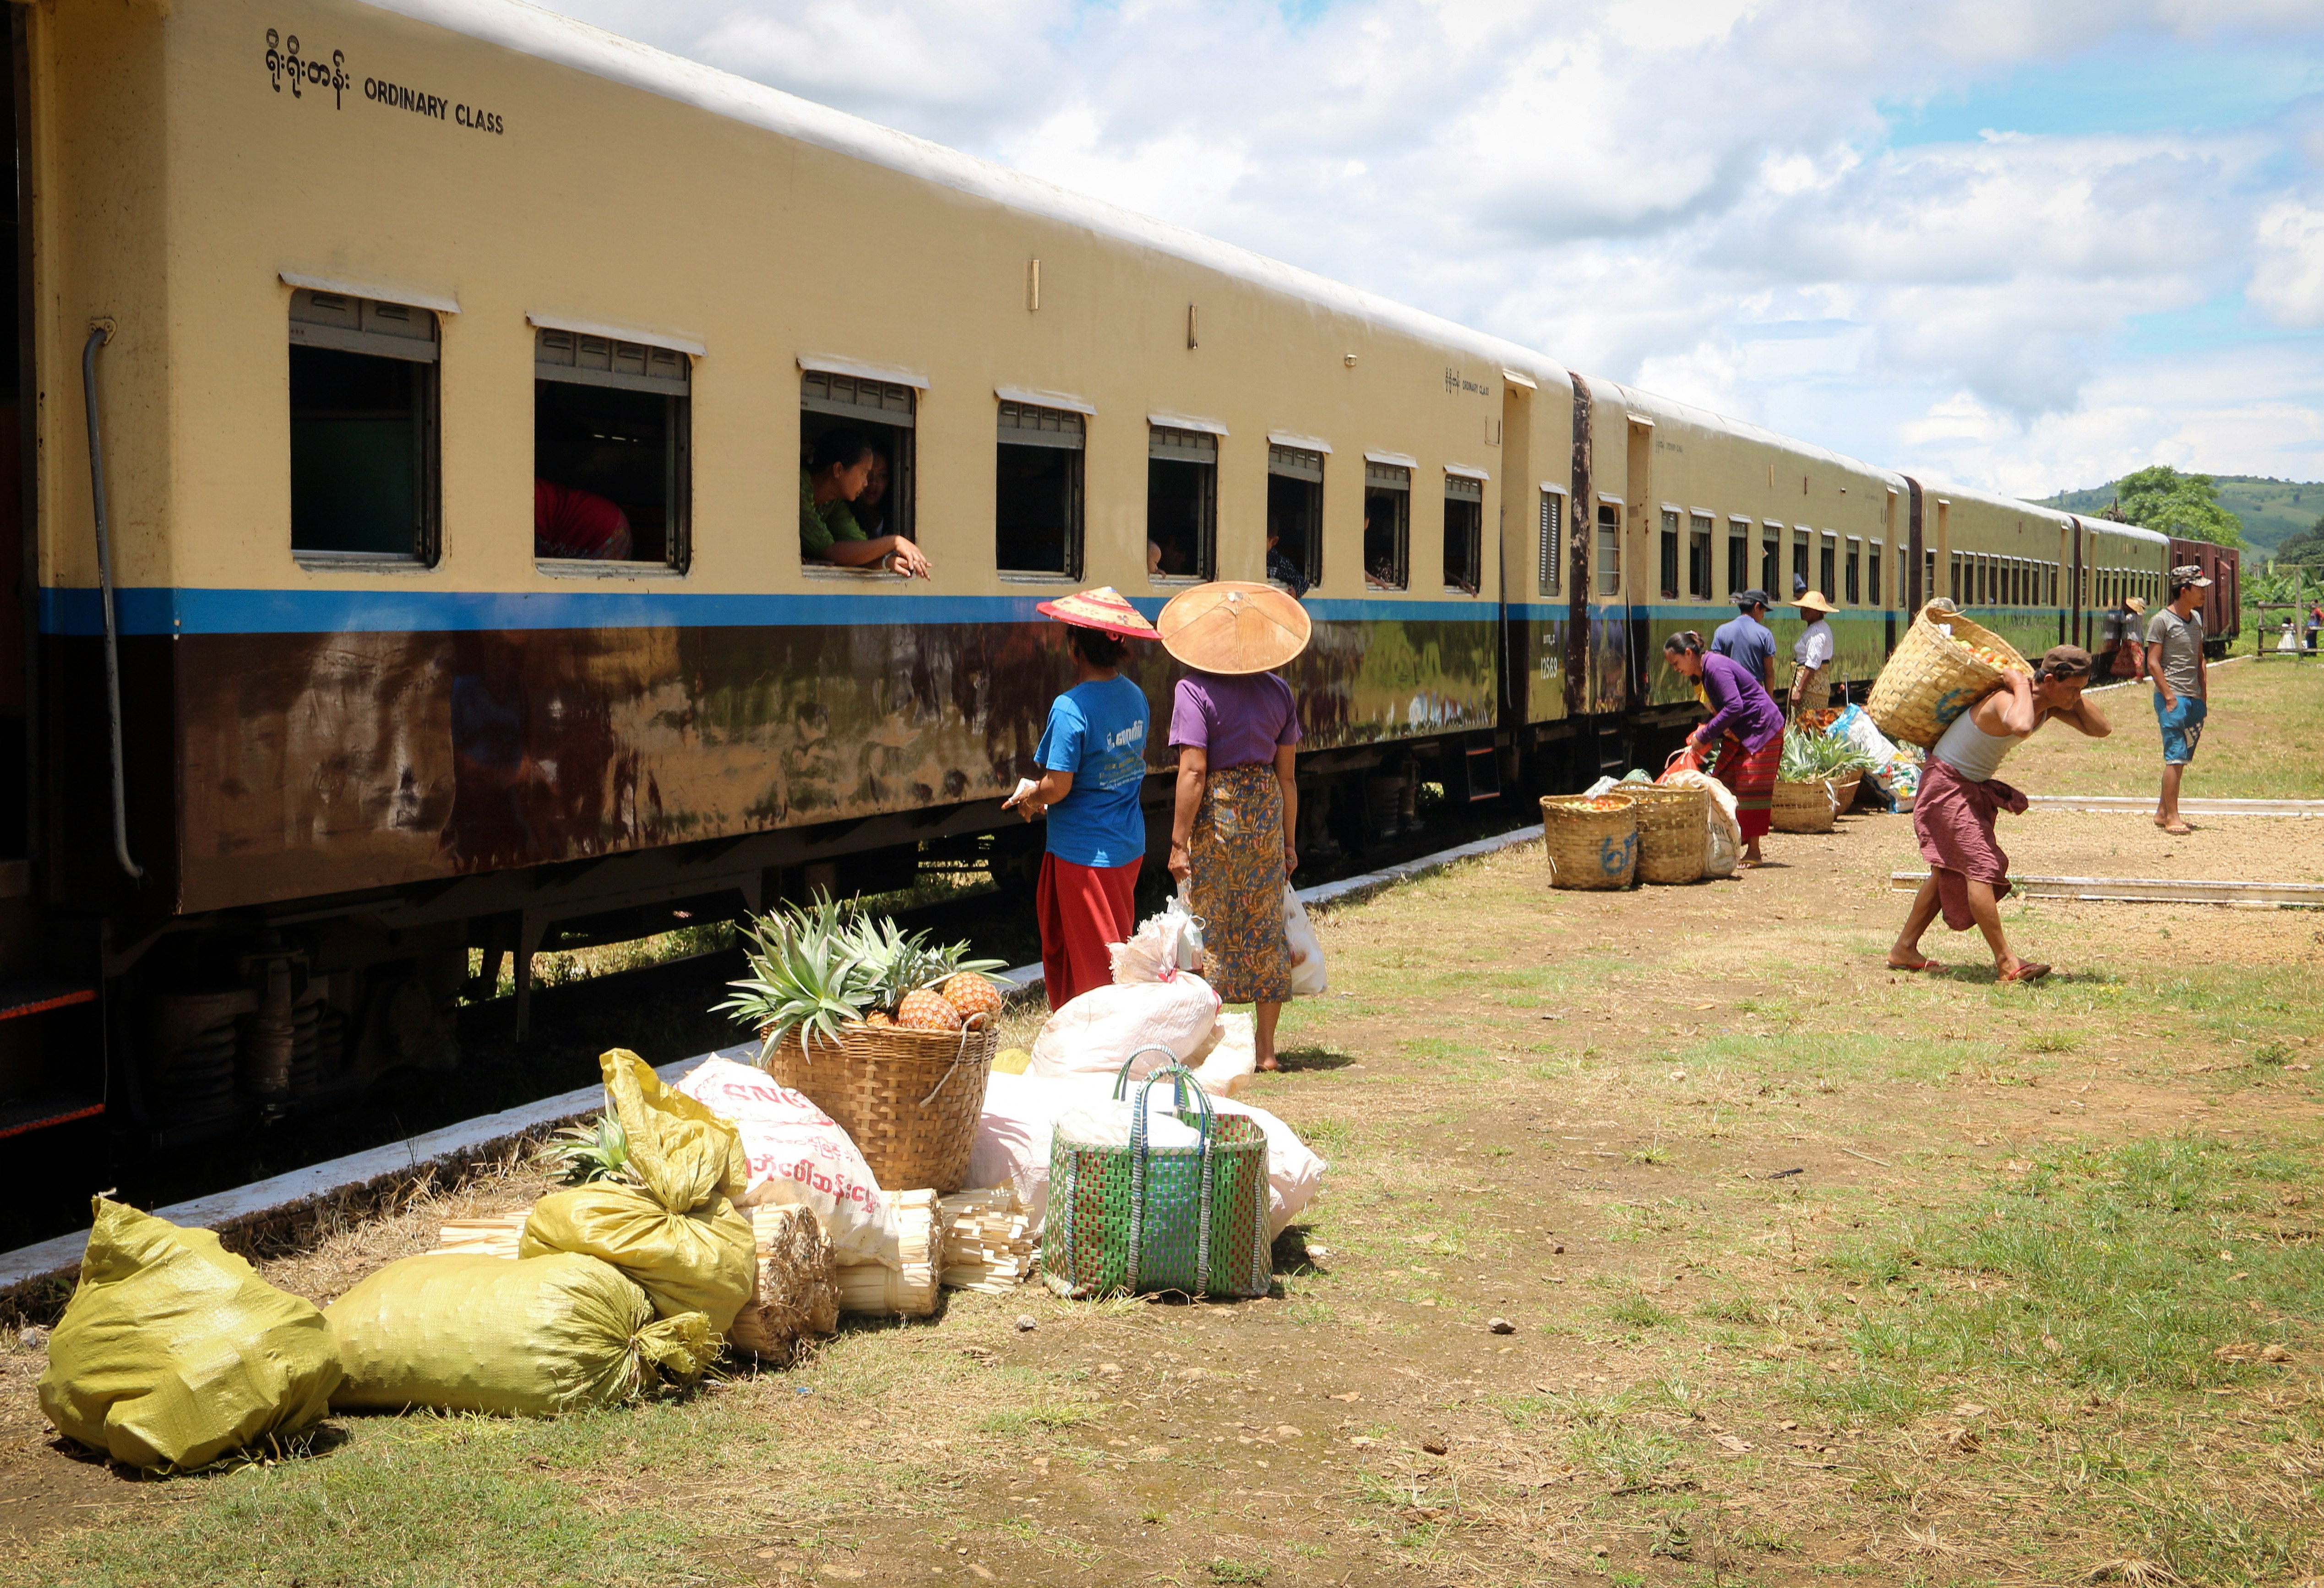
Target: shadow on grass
{"type": "Point", "coordinates": [1295, 1059]}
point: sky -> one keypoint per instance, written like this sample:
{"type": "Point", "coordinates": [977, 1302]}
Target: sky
{"type": "Point", "coordinates": [2022, 244]}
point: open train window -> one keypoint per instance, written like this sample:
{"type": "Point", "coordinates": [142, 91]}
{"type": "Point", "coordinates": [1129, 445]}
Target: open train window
{"type": "Point", "coordinates": [1801, 535]}
{"type": "Point", "coordinates": [1698, 556]}
{"type": "Point", "coordinates": [1928, 576]}
{"type": "Point", "coordinates": [1855, 575]}
{"type": "Point", "coordinates": [1670, 553]}
{"type": "Point", "coordinates": [1553, 540]}
{"type": "Point", "coordinates": [1037, 515]}
{"type": "Point", "coordinates": [1954, 590]}
{"type": "Point", "coordinates": [1387, 525]}
{"type": "Point", "coordinates": [1182, 504]}
{"type": "Point", "coordinates": [1464, 534]}
{"type": "Point", "coordinates": [1828, 566]}
{"type": "Point", "coordinates": [1738, 554]}
{"type": "Point", "coordinates": [884, 412]}
{"type": "Point", "coordinates": [362, 430]}
{"type": "Point", "coordinates": [1771, 562]}
{"type": "Point", "coordinates": [1873, 589]}
{"type": "Point", "coordinates": [611, 458]}
{"type": "Point", "coordinates": [1294, 508]}
{"type": "Point", "coordinates": [1610, 549]}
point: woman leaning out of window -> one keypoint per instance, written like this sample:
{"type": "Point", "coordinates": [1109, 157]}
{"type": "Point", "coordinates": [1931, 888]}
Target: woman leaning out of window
{"type": "Point", "coordinates": [835, 476]}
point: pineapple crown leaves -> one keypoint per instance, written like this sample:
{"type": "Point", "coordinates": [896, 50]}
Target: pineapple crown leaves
{"type": "Point", "coordinates": [807, 975]}
{"type": "Point", "coordinates": [582, 1155]}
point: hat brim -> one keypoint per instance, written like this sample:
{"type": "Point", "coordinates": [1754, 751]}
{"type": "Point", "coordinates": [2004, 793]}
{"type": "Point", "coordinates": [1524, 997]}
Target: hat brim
{"type": "Point", "coordinates": [1807, 605]}
{"type": "Point", "coordinates": [1124, 623]}
{"type": "Point", "coordinates": [1234, 627]}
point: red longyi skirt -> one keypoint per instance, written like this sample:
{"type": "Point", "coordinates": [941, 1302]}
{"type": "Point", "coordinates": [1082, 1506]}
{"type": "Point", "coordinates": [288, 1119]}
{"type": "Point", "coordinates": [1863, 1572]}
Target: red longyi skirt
{"type": "Point", "coordinates": [1752, 780]}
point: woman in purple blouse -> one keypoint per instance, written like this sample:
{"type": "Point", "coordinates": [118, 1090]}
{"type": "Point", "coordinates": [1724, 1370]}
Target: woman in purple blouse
{"type": "Point", "coordinates": [1746, 726]}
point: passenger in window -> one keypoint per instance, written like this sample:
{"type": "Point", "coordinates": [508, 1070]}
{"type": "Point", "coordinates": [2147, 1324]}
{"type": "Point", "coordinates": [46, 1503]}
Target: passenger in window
{"type": "Point", "coordinates": [1153, 557]}
{"type": "Point", "coordinates": [870, 509]}
{"type": "Point", "coordinates": [835, 477]}
{"type": "Point", "coordinates": [569, 522]}
{"type": "Point", "coordinates": [1282, 569]}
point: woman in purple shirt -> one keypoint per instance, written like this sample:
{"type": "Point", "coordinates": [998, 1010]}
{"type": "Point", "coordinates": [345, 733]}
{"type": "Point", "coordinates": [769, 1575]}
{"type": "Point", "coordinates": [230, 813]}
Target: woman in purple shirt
{"type": "Point", "coordinates": [1234, 725]}
{"type": "Point", "coordinates": [1746, 726]}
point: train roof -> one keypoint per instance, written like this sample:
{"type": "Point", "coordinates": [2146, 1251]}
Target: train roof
{"type": "Point", "coordinates": [530, 30]}
{"type": "Point", "coordinates": [2056, 514]}
{"type": "Point", "coordinates": [1743, 431]}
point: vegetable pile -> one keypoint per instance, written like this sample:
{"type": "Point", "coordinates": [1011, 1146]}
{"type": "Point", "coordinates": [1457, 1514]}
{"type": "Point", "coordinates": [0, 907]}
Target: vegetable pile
{"type": "Point", "coordinates": [1811, 757]}
{"type": "Point", "coordinates": [816, 971]}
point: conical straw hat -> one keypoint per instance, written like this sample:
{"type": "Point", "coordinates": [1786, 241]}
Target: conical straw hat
{"type": "Point", "coordinates": [1232, 627]}
{"type": "Point", "coordinates": [1104, 608]}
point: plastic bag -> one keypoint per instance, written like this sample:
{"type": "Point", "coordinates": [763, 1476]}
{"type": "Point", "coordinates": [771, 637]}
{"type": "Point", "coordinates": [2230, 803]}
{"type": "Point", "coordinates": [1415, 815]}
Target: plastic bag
{"type": "Point", "coordinates": [533, 1338]}
{"type": "Point", "coordinates": [1168, 941]}
{"type": "Point", "coordinates": [1098, 1031]}
{"type": "Point", "coordinates": [798, 1156]}
{"type": "Point", "coordinates": [173, 1351]}
{"type": "Point", "coordinates": [1307, 978]}
{"type": "Point", "coordinates": [676, 1233]}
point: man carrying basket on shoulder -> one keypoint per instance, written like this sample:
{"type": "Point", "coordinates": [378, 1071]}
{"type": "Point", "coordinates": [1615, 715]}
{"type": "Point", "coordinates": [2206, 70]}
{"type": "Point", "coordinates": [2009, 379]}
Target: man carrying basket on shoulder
{"type": "Point", "coordinates": [1953, 816]}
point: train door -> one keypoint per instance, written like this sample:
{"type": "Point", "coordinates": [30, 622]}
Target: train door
{"type": "Point", "coordinates": [16, 497]}
{"type": "Point", "coordinates": [1640, 519]}
{"type": "Point", "coordinates": [1517, 556]}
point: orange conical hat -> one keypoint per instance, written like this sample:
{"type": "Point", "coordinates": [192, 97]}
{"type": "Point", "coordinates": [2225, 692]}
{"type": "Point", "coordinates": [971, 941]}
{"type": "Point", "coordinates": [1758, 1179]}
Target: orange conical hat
{"type": "Point", "coordinates": [1104, 608]}
{"type": "Point", "coordinates": [1232, 627]}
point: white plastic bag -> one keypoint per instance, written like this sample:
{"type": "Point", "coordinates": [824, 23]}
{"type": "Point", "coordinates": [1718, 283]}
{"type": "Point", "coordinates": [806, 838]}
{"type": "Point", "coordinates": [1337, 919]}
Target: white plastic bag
{"type": "Point", "coordinates": [800, 1158]}
{"type": "Point", "coordinates": [1168, 940]}
{"type": "Point", "coordinates": [1098, 1031]}
{"type": "Point", "coordinates": [1307, 978]}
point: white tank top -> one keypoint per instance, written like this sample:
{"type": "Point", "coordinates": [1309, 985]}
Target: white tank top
{"type": "Point", "coordinates": [1970, 751]}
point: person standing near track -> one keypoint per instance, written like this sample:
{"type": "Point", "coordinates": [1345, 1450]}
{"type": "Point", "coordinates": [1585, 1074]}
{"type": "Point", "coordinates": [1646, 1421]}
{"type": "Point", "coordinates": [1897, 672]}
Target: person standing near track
{"type": "Point", "coordinates": [2183, 687]}
{"type": "Point", "coordinates": [1092, 760]}
{"type": "Point", "coordinates": [1953, 816]}
{"type": "Point", "coordinates": [1745, 727]}
{"type": "Point", "coordinates": [1812, 655]}
{"type": "Point", "coordinates": [1745, 639]}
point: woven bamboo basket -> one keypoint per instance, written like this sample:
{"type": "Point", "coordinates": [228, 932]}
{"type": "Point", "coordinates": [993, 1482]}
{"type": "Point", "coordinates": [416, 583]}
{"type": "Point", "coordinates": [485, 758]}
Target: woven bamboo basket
{"type": "Point", "coordinates": [1674, 833]}
{"type": "Point", "coordinates": [1590, 849]}
{"type": "Point", "coordinates": [909, 1099]}
{"type": "Point", "coordinates": [1805, 808]}
{"type": "Point", "coordinates": [1932, 679]}
{"type": "Point", "coordinates": [1846, 789]}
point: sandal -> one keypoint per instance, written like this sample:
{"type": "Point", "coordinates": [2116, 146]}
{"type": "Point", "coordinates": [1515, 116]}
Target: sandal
{"type": "Point", "coordinates": [2178, 830]}
{"type": "Point", "coordinates": [1267, 1067]}
{"type": "Point", "coordinates": [1926, 964]}
{"type": "Point", "coordinates": [2028, 970]}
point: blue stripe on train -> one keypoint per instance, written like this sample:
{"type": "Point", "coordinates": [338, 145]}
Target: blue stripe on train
{"type": "Point", "coordinates": [164, 610]}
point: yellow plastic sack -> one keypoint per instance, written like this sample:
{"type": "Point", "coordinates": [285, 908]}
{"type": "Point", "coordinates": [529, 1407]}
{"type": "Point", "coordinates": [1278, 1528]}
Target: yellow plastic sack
{"type": "Point", "coordinates": [172, 1351]}
{"type": "Point", "coordinates": [679, 1234]}
{"type": "Point", "coordinates": [520, 1339]}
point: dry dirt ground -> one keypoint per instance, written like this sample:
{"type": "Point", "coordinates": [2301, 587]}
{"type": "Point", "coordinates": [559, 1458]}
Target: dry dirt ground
{"type": "Point", "coordinates": [1812, 1271]}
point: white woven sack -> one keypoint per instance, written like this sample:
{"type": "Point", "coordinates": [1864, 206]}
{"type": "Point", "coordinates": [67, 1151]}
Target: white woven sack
{"type": "Point", "coordinates": [1097, 1032]}
{"type": "Point", "coordinates": [799, 1157]}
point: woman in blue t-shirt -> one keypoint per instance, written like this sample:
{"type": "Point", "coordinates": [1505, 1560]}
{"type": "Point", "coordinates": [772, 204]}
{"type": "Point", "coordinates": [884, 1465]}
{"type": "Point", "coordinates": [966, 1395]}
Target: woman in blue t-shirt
{"type": "Point", "coordinates": [1093, 756]}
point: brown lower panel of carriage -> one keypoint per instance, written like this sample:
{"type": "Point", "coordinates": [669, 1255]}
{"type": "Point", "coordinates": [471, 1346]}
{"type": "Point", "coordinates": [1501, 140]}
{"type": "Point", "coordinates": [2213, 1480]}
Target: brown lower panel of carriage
{"type": "Point", "coordinates": [274, 767]}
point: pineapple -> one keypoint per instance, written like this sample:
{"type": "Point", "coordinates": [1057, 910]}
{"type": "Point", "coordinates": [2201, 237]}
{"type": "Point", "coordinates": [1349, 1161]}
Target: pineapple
{"type": "Point", "coordinates": [807, 975]}
{"type": "Point", "coordinates": [924, 1010]}
{"type": "Point", "coordinates": [972, 994]}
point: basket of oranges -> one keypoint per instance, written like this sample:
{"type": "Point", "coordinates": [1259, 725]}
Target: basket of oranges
{"type": "Point", "coordinates": [1945, 665]}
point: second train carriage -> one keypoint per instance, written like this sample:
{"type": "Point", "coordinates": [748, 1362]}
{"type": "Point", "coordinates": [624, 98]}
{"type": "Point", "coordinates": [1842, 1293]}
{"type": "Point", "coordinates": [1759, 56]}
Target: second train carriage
{"type": "Point", "coordinates": [367, 290]}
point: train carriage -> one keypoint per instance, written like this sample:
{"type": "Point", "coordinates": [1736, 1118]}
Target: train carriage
{"type": "Point", "coordinates": [411, 397]}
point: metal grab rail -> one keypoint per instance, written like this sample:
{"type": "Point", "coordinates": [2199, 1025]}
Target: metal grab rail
{"type": "Point", "coordinates": [98, 336]}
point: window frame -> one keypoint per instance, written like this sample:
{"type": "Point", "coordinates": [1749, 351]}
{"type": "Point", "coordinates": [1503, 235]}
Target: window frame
{"type": "Point", "coordinates": [1394, 479]}
{"type": "Point", "coordinates": [427, 551]}
{"type": "Point", "coordinates": [1874, 565]}
{"type": "Point", "coordinates": [1467, 486]}
{"type": "Point", "coordinates": [1608, 546]}
{"type": "Point", "coordinates": [1739, 554]}
{"type": "Point", "coordinates": [1670, 553]}
{"type": "Point", "coordinates": [1852, 571]}
{"type": "Point", "coordinates": [903, 468]}
{"type": "Point", "coordinates": [1186, 447]}
{"type": "Point", "coordinates": [1550, 575]}
{"type": "Point", "coordinates": [1070, 421]}
{"type": "Point", "coordinates": [1286, 461]}
{"type": "Point", "coordinates": [1700, 568]}
{"type": "Point", "coordinates": [1772, 536]}
{"type": "Point", "coordinates": [677, 550]}
{"type": "Point", "coordinates": [1828, 564]}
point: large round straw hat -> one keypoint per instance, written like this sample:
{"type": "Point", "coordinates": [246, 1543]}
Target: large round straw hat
{"type": "Point", "coordinates": [1814, 599]}
{"type": "Point", "coordinates": [1104, 608]}
{"type": "Point", "coordinates": [1229, 626]}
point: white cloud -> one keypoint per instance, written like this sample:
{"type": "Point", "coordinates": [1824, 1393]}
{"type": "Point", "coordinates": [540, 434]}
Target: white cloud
{"type": "Point", "coordinates": [1698, 196]}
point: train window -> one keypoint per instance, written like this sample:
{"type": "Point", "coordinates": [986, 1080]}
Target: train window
{"type": "Point", "coordinates": [1610, 549]}
{"type": "Point", "coordinates": [363, 429]}
{"type": "Point", "coordinates": [1855, 576]}
{"type": "Point", "coordinates": [1387, 525]}
{"type": "Point", "coordinates": [609, 458]}
{"type": "Point", "coordinates": [1771, 563]}
{"type": "Point", "coordinates": [1037, 509]}
{"type": "Point", "coordinates": [1698, 556]}
{"type": "Point", "coordinates": [1954, 591]}
{"type": "Point", "coordinates": [2053, 584]}
{"type": "Point", "coordinates": [884, 412]}
{"type": "Point", "coordinates": [1800, 535]}
{"type": "Point", "coordinates": [1828, 567]}
{"type": "Point", "coordinates": [1670, 554]}
{"type": "Point", "coordinates": [1873, 590]}
{"type": "Point", "coordinates": [1294, 508]}
{"type": "Point", "coordinates": [1738, 554]}
{"type": "Point", "coordinates": [1928, 576]}
{"type": "Point", "coordinates": [1182, 504]}
{"type": "Point", "coordinates": [1464, 534]}
{"type": "Point", "coordinates": [1553, 539]}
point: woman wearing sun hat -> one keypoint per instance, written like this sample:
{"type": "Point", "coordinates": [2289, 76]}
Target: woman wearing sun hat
{"type": "Point", "coordinates": [1234, 725]}
{"type": "Point", "coordinates": [1812, 655]}
{"type": "Point", "coordinates": [1093, 759]}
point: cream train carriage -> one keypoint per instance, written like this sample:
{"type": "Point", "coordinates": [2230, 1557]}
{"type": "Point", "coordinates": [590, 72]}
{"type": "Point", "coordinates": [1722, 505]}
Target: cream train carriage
{"type": "Point", "coordinates": [446, 369]}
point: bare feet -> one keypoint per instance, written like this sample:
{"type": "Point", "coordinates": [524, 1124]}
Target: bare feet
{"type": "Point", "coordinates": [1268, 1063]}
{"type": "Point", "coordinates": [2177, 829]}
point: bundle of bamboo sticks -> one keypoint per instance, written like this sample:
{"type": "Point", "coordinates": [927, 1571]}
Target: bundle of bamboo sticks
{"type": "Point", "coordinates": [987, 1243]}
{"type": "Point", "coordinates": [907, 1284]}
{"type": "Point", "coordinates": [797, 1291]}
{"type": "Point", "coordinates": [493, 1237]}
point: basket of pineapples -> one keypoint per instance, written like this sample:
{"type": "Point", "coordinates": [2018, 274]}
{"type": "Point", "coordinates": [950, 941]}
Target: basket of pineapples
{"type": "Point", "coordinates": [889, 1035]}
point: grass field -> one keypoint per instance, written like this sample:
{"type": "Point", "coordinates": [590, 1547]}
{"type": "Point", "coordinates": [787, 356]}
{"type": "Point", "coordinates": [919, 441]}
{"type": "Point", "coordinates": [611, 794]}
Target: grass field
{"type": "Point", "coordinates": [1816, 1273]}
{"type": "Point", "coordinates": [2260, 740]}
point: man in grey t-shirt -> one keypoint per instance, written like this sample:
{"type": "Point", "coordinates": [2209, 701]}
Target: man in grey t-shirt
{"type": "Point", "coordinates": [2174, 660]}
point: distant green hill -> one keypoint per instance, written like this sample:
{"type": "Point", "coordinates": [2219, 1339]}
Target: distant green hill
{"type": "Point", "coordinates": [2272, 510]}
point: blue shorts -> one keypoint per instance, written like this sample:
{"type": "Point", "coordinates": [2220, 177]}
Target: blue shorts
{"type": "Point", "coordinates": [2183, 727]}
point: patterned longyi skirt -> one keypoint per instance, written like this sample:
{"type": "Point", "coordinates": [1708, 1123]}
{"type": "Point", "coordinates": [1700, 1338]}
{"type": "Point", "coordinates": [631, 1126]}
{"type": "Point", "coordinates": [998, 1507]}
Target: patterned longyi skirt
{"type": "Point", "coordinates": [1238, 885]}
